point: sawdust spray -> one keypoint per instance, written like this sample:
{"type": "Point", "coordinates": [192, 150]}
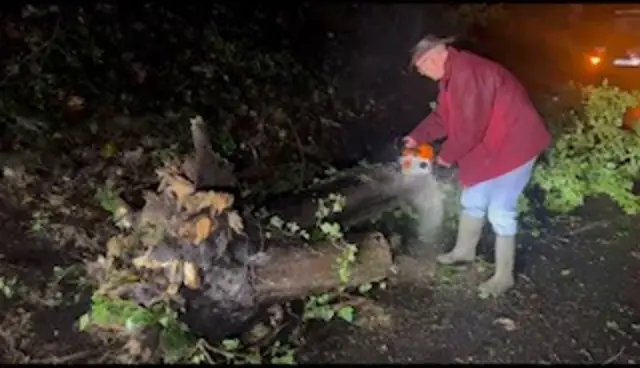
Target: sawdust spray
{"type": "Point", "coordinates": [432, 200]}
{"type": "Point", "coordinates": [429, 204]}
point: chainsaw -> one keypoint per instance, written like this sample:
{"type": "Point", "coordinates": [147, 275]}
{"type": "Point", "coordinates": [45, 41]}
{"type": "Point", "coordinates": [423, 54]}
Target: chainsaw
{"type": "Point", "coordinates": [420, 161]}
{"type": "Point", "coordinates": [417, 161]}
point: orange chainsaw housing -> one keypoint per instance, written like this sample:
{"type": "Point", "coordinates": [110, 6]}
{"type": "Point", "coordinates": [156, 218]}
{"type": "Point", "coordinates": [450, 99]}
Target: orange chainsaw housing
{"type": "Point", "coordinates": [423, 151]}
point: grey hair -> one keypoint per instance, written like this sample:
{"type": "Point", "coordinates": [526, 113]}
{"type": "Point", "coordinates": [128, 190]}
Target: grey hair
{"type": "Point", "coordinates": [426, 44]}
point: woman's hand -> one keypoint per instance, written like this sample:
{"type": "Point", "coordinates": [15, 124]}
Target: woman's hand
{"type": "Point", "coordinates": [442, 163]}
{"type": "Point", "coordinates": [409, 142]}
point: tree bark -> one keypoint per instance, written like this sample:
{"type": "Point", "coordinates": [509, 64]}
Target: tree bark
{"type": "Point", "coordinates": [301, 271]}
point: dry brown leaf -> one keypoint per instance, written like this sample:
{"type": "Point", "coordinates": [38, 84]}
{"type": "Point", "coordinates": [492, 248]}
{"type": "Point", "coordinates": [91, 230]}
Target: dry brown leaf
{"type": "Point", "coordinates": [203, 229]}
{"type": "Point", "coordinates": [174, 273]}
{"type": "Point", "coordinates": [235, 222]}
{"type": "Point", "coordinates": [191, 276]}
{"type": "Point", "coordinates": [198, 230]}
{"type": "Point", "coordinates": [187, 231]}
{"type": "Point", "coordinates": [216, 202]}
{"type": "Point", "coordinates": [181, 188]}
{"type": "Point", "coordinates": [144, 261]}
{"type": "Point", "coordinates": [75, 103]}
{"type": "Point", "coordinates": [174, 184]}
{"type": "Point", "coordinates": [221, 201]}
{"type": "Point", "coordinates": [115, 246]}
{"type": "Point", "coordinates": [172, 289]}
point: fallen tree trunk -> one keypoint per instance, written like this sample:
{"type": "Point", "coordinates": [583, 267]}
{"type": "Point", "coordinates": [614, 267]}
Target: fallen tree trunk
{"type": "Point", "coordinates": [189, 247]}
{"type": "Point", "coordinates": [231, 298]}
{"type": "Point", "coordinates": [300, 271]}
{"type": "Point", "coordinates": [369, 191]}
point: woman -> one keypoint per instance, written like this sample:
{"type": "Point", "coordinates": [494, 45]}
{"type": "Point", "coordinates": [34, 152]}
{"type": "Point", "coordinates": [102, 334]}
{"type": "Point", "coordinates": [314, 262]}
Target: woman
{"type": "Point", "coordinates": [494, 135]}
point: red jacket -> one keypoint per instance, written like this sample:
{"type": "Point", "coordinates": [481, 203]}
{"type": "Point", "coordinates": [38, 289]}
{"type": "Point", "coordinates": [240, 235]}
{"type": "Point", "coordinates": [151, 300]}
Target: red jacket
{"type": "Point", "coordinates": [489, 121]}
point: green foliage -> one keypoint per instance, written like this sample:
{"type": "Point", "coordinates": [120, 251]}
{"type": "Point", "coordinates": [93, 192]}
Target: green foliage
{"type": "Point", "coordinates": [333, 204]}
{"type": "Point", "coordinates": [345, 262]}
{"type": "Point", "coordinates": [175, 340]}
{"type": "Point", "coordinates": [108, 198]}
{"type": "Point", "coordinates": [592, 155]}
{"type": "Point", "coordinates": [73, 72]}
{"type": "Point", "coordinates": [324, 307]}
{"type": "Point", "coordinates": [176, 343]}
{"type": "Point", "coordinates": [106, 312]}
{"type": "Point", "coordinates": [8, 286]}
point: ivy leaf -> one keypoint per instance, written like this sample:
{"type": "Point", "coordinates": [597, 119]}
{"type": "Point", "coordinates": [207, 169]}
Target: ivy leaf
{"type": "Point", "coordinates": [364, 287]}
{"type": "Point", "coordinates": [139, 319]}
{"type": "Point", "coordinates": [84, 321]}
{"type": "Point", "coordinates": [231, 344]}
{"type": "Point", "coordinates": [328, 314]}
{"type": "Point", "coordinates": [347, 313]}
{"type": "Point", "coordinates": [287, 358]}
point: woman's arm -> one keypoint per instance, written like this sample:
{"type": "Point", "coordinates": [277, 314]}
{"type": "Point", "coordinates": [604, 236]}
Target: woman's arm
{"type": "Point", "coordinates": [429, 129]}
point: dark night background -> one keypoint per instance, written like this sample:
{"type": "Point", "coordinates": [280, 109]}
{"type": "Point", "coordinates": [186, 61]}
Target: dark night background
{"type": "Point", "coordinates": [363, 48]}
{"type": "Point", "coordinates": [99, 95]}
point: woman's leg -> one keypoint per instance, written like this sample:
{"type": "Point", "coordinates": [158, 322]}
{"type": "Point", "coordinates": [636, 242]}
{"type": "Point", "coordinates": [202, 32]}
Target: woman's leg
{"type": "Point", "coordinates": [503, 216]}
{"type": "Point", "coordinates": [474, 201]}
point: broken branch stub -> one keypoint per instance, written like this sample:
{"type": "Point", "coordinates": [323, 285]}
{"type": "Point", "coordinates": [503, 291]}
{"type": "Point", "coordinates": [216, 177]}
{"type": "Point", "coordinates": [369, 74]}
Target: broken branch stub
{"type": "Point", "coordinates": [207, 169]}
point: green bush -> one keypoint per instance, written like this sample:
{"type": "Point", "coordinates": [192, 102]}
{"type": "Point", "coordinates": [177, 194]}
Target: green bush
{"type": "Point", "coordinates": [592, 155]}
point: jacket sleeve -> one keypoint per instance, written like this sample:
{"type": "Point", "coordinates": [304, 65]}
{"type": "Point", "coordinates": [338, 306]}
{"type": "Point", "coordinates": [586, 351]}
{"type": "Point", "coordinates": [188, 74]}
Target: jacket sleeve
{"type": "Point", "coordinates": [471, 102]}
{"type": "Point", "coordinates": [430, 128]}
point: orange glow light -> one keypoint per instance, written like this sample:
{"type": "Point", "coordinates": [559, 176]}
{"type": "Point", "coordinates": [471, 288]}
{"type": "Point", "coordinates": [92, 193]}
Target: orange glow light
{"type": "Point", "coordinates": [595, 60]}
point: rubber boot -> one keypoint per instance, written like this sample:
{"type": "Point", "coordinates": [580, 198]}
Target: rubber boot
{"type": "Point", "coordinates": [502, 279]}
{"type": "Point", "coordinates": [469, 232]}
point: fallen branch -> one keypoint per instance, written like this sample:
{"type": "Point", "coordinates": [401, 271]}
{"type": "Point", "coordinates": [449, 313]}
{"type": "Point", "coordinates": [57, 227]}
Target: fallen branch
{"type": "Point", "coordinates": [62, 359]}
{"type": "Point", "coordinates": [369, 192]}
{"type": "Point", "coordinates": [614, 357]}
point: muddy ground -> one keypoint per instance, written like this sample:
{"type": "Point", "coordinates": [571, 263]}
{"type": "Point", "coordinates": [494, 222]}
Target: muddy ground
{"type": "Point", "coordinates": [42, 294]}
{"type": "Point", "coordinates": [576, 300]}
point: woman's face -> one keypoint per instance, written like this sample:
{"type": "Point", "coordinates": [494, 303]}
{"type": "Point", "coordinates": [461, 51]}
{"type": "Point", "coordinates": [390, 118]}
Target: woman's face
{"type": "Point", "coordinates": [431, 64]}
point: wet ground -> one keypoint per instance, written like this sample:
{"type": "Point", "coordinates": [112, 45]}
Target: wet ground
{"type": "Point", "coordinates": [576, 301]}
{"type": "Point", "coordinates": [39, 307]}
